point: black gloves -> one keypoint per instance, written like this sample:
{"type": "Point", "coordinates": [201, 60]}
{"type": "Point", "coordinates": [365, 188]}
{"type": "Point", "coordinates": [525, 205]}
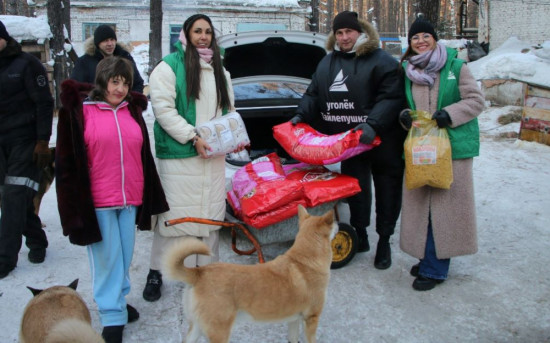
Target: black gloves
{"type": "Point", "coordinates": [296, 119]}
{"type": "Point", "coordinates": [405, 119]}
{"type": "Point", "coordinates": [368, 134]}
{"type": "Point", "coordinates": [442, 118]}
{"type": "Point", "coordinates": [41, 155]}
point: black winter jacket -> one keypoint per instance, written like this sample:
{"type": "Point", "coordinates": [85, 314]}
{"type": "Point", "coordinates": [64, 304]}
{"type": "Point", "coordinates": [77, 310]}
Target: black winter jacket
{"type": "Point", "coordinates": [26, 103]}
{"type": "Point", "coordinates": [85, 66]}
{"type": "Point", "coordinates": [357, 87]}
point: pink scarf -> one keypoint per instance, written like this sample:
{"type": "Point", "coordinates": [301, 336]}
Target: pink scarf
{"type": "Point", "coordinates": [422, 69]}
{"type": "Point", "coordinates": [205, 53]}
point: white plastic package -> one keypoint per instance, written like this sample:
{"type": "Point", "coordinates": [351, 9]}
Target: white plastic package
{"type": "Point", "coordinates": [224, 134]}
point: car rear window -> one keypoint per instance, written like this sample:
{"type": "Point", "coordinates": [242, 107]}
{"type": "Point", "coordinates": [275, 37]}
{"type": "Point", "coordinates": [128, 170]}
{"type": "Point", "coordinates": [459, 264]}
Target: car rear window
{"type": "Point", "coordinates": [269, 90]}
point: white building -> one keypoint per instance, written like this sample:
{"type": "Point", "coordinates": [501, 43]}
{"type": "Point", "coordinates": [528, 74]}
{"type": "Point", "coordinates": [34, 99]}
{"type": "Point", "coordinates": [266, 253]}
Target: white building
{"type": "Point", "coordinates": [528, 20]}
{"type": "Point", "coordinates": [131, 18]}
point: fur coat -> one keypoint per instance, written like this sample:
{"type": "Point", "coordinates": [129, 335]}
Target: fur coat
{"type": "Point", "coordinates": [74, 198]}
{"type": "Point", "coordinates": [452, 211]}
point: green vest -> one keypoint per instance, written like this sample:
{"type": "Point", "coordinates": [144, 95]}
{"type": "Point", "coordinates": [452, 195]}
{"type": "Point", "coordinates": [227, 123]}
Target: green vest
{"type": "Point", "coordinates": [464, 138]}
{"type": "Point", "coordinates": [166, 146]}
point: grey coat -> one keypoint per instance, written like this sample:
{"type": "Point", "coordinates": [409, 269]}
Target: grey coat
{"type": "Point", "coordinates": [452, 211]}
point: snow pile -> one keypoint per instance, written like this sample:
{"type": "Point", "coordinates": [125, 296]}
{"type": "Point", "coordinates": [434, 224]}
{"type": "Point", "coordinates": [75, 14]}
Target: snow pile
{"type": "Point", "coordinates": [27, 28]}
{"type": "Point", "coordinates": [489, 124]}
{"type": "Point", "coordinates": [515, 59]}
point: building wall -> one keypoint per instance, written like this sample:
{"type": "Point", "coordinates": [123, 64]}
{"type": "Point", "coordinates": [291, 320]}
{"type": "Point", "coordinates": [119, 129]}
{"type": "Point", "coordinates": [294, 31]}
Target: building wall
{"type": "Point", "coordinates": [529, 20]}
{"type": "Point", "coordinates": [132, 18]}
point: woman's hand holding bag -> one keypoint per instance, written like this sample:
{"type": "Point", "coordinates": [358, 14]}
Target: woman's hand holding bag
{"type": "Point", "coordinates": [428, 156]}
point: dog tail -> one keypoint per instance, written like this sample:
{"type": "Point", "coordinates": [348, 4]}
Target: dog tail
{"type": "Point", "coordinates": [73, 330]}
{"type": "Point", "coordinates": [173, 260]}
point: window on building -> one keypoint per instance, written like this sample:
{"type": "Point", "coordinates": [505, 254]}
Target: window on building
{"type": "Point", "coordinates": [174, 36]}
{"type": "Point", "coordinates": [89, 28]}
{"type": "Point", "coordinates": [243, 27]}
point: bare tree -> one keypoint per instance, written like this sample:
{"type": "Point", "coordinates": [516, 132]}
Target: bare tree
{"type": "Point", "coordinates": [58, 19]}
{"type": "Point", "coordinates": [155, 34]}
{"type": "Point", "coordinates": [430, 10]}
{"type": "Point", "coordinates": [314, 19]}
{"type": "Point", "coordinates": [376, 4]}
{"type": "Point", "coordinates": [16, 7]}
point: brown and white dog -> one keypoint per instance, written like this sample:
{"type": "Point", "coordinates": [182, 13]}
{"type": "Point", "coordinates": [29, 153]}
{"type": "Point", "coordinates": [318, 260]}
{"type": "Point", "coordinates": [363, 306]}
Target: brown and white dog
{"type": "Point", "coordinates": [291, 288]}
{"type": "Point", "coordinates": [55, 315]}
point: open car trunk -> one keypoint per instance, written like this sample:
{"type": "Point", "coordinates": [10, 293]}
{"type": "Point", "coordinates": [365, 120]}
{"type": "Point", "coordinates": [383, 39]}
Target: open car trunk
{"type": "Point", "coordinates": [270, 71]}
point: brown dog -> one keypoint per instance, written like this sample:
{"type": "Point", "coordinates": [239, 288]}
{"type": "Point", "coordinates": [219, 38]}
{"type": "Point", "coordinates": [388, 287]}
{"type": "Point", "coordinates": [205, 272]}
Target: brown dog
{"type": "Point", "coordinates": [55, 315]}
{"type": "Point", "coordinates": [289, 288]}
{"type": "Point", "coordinates": [46, 180]}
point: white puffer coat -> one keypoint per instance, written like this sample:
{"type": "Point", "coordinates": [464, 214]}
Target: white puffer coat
{"type": "Point", "coordinates": [194, 187]}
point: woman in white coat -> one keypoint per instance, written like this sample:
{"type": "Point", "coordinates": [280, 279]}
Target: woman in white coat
{"type": "Point", "coordinates": [187, 88]}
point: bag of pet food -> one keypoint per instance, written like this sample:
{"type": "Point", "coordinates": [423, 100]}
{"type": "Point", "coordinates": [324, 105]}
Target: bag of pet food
{"type": "Point", "coordinates": [274, 216]}
{"type": "Point", "coordinates": [305, 144]}
{"type": "Point", "coordinates": [320, 184]}
{"type": "Point", "coordinates": [428, 157]}
{"type": "Point", "coordinates": [260, 186]}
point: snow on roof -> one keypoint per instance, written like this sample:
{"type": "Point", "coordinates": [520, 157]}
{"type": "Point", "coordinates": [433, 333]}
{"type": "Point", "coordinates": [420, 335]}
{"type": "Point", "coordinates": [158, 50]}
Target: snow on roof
{"type": "Point", "coordinates": [27, 28]}
{"type": "Point", "coordinates": [515, 59]}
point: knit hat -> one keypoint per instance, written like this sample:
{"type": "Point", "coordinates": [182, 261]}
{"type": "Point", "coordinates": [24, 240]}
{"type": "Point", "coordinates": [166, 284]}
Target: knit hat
{"type": "Point", "coordinates": [102, 33]}
{"type": "Point", "coordinates": [3, 32]}
{"type": "Point", "coordinates": [346, 20]}
{"type": "Point", "coordinates": [421, 25]}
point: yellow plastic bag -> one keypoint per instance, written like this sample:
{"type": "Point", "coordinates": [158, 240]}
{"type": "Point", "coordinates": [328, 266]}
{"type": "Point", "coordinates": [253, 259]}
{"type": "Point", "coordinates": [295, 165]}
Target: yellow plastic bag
{"type": "Point", "coordinates": [428, 157]}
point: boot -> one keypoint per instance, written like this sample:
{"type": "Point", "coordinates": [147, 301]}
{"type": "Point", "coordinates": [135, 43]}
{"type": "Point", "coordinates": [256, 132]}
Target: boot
{"type": "Point", "coordinates": [112, 334]}
{"type": "Point", "coordinates": [415, 269]}
{"type": "Point", "coordinates": [422, 283]}
{"type": "Point", "coordinates": [151, 292]}
{"type": "Point", "coordinates": [133, 314]}
{"type": "Point", "coordinates": [382, 260]}
{"type": "Point", "coordinates": [37, 255]}
{"type": "Point", "coordinates": [363, 242]}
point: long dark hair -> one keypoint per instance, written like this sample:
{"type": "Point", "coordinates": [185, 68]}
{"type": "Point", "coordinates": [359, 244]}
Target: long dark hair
{"type": "Point", "coordinates": [108, 68]}
{"type": "Point", "coordinates": [193, 69]}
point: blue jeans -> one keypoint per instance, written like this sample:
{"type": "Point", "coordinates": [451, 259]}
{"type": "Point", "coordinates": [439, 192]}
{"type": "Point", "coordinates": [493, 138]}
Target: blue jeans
{"type": "Point", "coordinates": [110, 261]}
{"type": "Point", "coordinates": [430, 266]}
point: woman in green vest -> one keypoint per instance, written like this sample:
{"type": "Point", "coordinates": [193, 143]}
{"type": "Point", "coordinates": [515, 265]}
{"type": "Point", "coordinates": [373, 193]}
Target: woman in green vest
{"type": "Point", "coordinates": [187, 88]}
{"type": "Point", "coordinates": [437, 224]}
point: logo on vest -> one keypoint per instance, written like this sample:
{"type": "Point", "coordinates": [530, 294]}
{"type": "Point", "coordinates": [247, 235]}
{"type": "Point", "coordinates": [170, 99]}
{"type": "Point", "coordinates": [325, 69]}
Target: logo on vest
{"type": "Point", "coordinates": [338, 85]}
{"type": "Point", "coordinates": [451, 75]}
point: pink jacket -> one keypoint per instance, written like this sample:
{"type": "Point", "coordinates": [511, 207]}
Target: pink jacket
{"type": "Point", "coordinates": [113, 144]}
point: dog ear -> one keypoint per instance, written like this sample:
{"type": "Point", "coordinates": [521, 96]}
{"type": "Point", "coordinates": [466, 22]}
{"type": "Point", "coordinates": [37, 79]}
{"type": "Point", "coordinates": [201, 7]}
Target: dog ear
{"type": "Point", "coordinates": [302, 212]}
{"type": "Point", "coordinates": [73, 284]}
{"type": "Point", "coordinates": [34, 291]}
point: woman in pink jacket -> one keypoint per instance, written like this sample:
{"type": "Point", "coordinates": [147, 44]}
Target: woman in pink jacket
{"type": "Point", "coordinates": [106, 182]}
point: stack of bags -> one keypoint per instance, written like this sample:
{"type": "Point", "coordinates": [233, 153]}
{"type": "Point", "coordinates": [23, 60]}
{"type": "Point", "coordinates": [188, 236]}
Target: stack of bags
{"type": "Point", "coordinates": [265, 192]}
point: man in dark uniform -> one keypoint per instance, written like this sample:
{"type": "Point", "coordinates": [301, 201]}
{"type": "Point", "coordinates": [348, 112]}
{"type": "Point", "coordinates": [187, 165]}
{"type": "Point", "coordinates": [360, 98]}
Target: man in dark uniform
{"type": "Point", "coordinates": [103, 44]}
{"type": "Point", "coordinates": [26, 115]}
{"type": "Point", "coordinates": [358, 86]}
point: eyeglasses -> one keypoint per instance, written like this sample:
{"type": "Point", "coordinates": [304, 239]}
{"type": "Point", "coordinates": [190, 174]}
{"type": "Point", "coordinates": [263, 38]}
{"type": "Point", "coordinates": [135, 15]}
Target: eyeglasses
{"type": "Point", "coordinates": [425, 37]}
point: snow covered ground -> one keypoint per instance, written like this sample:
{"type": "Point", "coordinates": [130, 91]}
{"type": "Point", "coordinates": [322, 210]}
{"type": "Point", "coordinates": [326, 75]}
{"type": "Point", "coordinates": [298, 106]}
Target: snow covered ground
{"type": "Point", "coordinates": [499, 294]}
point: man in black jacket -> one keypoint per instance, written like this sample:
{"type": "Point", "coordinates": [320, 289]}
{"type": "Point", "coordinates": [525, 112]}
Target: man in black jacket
{"type": "Point", "coordinates": [358, 86]}
{"type": "Point", "coordinates": [26, 115]}
{"type": "Point", "coordinates": [103, 44]}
